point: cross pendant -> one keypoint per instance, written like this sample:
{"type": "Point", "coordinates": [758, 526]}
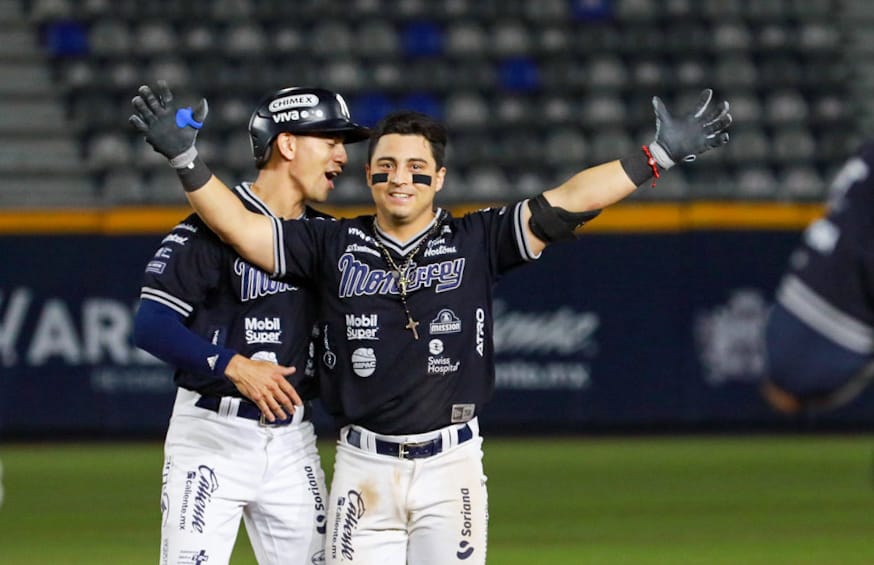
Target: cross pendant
{"type": "Point", "coordinates": [411, 325]}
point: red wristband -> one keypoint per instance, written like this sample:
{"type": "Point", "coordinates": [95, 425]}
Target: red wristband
{"type": "Point", "coordinates": [650, 160]}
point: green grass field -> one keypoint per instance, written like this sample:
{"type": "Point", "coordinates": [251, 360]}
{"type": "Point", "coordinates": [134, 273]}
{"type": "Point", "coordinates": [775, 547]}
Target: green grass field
{"type": "Point", "coordinates": [717, 500]}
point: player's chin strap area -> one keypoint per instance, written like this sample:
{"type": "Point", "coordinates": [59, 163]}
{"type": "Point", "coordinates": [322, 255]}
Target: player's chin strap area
{"type": "Point", "coordinates": [551, 223]}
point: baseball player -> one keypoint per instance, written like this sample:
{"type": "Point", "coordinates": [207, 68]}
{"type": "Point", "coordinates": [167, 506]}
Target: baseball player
{"type": "Point", "coordinates": [240, 442]}
{"type": "Point", "coordinates": [406, 303]}
{"type": "Point", "coordinates": [820, 332]}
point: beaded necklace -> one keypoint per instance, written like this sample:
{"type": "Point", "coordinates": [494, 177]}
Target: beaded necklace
{"type": "Point", "coordinates": [401, 273]}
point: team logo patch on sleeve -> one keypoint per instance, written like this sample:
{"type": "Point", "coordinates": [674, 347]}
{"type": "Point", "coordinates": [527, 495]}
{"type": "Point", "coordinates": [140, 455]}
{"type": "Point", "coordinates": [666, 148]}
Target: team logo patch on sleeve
{"type": "Point", "coordinates": [156, 267]}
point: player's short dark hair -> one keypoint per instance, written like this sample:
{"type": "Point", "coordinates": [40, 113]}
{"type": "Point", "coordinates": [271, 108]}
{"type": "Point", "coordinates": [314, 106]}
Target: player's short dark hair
{"type": "Point", "coordinates": [408, 122]}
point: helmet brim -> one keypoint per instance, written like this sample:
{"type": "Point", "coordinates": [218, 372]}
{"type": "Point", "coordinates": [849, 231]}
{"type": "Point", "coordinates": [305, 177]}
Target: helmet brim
{"type": "Point", "coordinates": [349, 131]}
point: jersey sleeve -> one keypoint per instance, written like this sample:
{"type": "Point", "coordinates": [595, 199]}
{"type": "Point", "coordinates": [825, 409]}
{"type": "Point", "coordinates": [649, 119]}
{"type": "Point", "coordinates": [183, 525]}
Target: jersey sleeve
{"type": "Point", "coordinates": [297, 247]}
{"type": "Point", "coordinates": [185, 267]}
{"type": "Point", "coordinates": [505, 236]}
{"type": "Point", "coordinates": [829, 281]}
{"type": "Point", "coordinates": [159, 330]}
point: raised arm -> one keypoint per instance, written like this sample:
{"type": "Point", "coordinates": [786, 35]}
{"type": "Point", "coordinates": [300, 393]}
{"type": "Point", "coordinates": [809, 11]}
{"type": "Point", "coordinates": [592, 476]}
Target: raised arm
{"type": "Point", "coordinates": [172, 132]}
{"type": "Point", "coordinates": [557, 212]}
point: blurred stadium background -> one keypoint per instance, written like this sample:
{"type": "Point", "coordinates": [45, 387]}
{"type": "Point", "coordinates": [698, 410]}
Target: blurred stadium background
{"type": "Point", "coordinates": [651, 322]}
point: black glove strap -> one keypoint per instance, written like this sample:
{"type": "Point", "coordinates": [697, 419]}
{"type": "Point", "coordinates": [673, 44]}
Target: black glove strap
{"type": "Point", "coordinates": [195, 175]}
{"type": "Point", "coordinates": [640, 167]}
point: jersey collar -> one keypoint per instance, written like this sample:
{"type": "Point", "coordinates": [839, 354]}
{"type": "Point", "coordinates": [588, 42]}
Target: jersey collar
{"type": "Point", "coordinates": [245, 192]}
{"type": "Point", "coordinates": [404, 248]}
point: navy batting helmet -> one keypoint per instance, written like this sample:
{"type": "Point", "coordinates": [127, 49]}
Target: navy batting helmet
{"type": "Point", "coordinates": [302, 111]}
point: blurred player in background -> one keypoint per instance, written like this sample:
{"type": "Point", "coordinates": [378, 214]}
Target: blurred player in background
{"type": "Point", "coordinates": [237, 445]}
{"type": "Point", "coordinates": [406, 299]}
{"type": "Point", "coordinates": [820, 333]}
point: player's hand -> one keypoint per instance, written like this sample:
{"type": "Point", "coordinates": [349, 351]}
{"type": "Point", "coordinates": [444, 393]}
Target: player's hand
{"type": "Point", "coordinates": [171, 131]}
{"type": "Point", "coordinates": [264, 383]}
{"type": "Point", "coordinates": [684, 138]}
{"type": "Point", "coordinates": [779, 399]}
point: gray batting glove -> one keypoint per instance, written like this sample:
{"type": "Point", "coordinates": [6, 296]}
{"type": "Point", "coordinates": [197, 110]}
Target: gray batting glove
{"type": "Point", "coordinates": [683, 139]}
{"type": "Point", "coordinates": [171, 131]}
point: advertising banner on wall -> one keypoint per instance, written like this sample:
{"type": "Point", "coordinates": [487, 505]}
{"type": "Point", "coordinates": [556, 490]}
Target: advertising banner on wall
{"type": "Point", "coordinates": [631, 331]}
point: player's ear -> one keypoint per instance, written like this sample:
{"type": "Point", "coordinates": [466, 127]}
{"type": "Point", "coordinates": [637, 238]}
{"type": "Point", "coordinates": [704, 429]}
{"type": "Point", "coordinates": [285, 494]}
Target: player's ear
{"type": "Point", "coordinates": [286, 145]}
{"type": "Point", "coordinates": [440, 177]}
{"type": "Point", "coordinates": [367, 174]}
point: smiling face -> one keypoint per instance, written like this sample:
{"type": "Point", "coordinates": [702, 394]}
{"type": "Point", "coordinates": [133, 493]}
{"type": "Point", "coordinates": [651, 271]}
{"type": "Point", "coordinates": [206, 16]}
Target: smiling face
{"type": "Point", "coordinates": [401, 203]}
{"type": "Point", "coordinates": [317, 161]}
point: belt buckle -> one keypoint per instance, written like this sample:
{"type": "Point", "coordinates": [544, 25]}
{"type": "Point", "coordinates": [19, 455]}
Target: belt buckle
{"type": "Point", "coordinates": [402, 447]}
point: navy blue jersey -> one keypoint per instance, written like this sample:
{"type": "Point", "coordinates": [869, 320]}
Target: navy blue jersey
{"type": "Point", "coordinates": [830, 283]}
{"type": "Point", "coordinates": [374, 372]}
{"type": "Point", "coordinates": [231, 303]}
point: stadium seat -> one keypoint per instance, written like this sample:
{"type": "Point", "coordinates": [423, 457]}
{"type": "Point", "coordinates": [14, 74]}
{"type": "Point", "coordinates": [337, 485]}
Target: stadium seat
{"type": "Point", "coordinates": [487, 183]}
{"type": "Point", "coordinates": [510, 39]}
{"type": "Point", "coordinates": [244, 39]}
{"type": "Point", "coordinates": [466, 38]}
{"type": "Point", "coordinates": [466, 110]}
{"type": "Point", "coordinates": [344, 75]}
{"type": "Point", "coordinates": [732, 35]}
{"type": "Point", "coordinates": [162, 187]}
{"type": "Point", "coordinates": [238, 151]}
{"type": "Point", "coordinates": [511, 78]}
{"type": "Point", "coordinates": [515, 110]}
{"type": "Point", "coordinates": [386, 76]}
{"type": "Point", "coordinates": [331, 39]}
{"type": "Point", "coordinates": [377, 39]}
{"type": "Point", "coordinates": [154, 37]}
{"type": "Point", "coordinates": [566, 145]}
{"type": "Point", "coordinates": [749, 144]}
{"type": "Point", "coordinates": [609, 144]}
{"type": "Point", "coordinates": [422, 102]}
{"type": "Point", "coordinates": [756, 182]}
{"type": "Point", "coordinates": [422, 39]}
{"type": "Point", "coordinates": [801, 182]}
{"type": "Point", "coordinates": [786, 106]}
{"type": "Point", "coordinates": [552, 41]}
{"type": "Point", "coordinates": [370, 108]}
{"type": "Point", "coordinates": [600, 110]}
{"type": "Point", "coordinates": [121, 187]}
{"type": "Point", "coordinates": [108, 149]}
{"type": "Point", "coordinates": [607, 72]}
{"type": "Point", "coordinates": [288, 38]}
{"type": "Point", "coordinates": [736, 71]}
{"type": "Point", "coordinates": [519, 74]}
{"type": "Point", "coordinates": [793, 143]}
{"type": "Point", "coordinates": [109, 38]}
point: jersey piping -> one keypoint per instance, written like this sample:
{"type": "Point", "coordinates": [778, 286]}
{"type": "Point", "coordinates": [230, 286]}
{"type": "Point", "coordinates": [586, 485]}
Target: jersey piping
{"type": "Point", "coordinates": [403, 249]}
{"type": "Point", "coordinates": [161, 297]}
{"type": "Point", "coordinates": [521, 238]}
{"type": "Point", "coordinates": [811, 308]}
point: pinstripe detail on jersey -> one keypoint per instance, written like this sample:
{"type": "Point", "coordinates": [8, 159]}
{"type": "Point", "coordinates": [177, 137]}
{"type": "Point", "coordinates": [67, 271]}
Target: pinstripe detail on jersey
{"type": "Point", "coordinates": [520, 233]}
{"type": "Point", "coordinates": [155, 295]}
{"type": "Point", "coordinates": [244, 190]}
{"type": "Point", "coordinates": [816, 312]}
{"type": "Point", "coordinates": [278, 248]}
